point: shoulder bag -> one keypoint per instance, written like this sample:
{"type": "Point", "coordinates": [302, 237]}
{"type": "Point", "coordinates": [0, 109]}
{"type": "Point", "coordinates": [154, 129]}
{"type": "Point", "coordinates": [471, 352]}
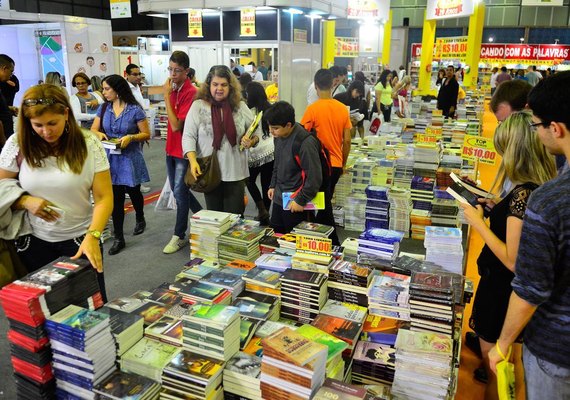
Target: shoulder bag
{"type": "Point", "coordinates": [211, 174]}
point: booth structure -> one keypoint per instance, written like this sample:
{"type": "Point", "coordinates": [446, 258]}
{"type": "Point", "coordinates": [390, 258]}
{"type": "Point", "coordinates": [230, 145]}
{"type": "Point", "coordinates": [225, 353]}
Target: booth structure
{"type": "Point", "coordinates": [287, 36]}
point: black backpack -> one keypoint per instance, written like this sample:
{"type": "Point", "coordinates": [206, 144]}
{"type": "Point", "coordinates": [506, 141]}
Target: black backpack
{"type": "Point", "coordinates": [324, 157]}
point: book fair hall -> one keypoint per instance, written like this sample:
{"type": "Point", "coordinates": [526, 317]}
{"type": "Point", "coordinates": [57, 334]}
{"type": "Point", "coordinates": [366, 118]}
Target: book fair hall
{"type": "Point", "coordinates": [284, 200]}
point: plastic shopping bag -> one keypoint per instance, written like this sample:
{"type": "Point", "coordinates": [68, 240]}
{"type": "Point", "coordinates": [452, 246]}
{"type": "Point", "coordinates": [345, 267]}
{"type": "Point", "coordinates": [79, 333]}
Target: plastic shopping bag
{"type": "Point", "coordinates": [506, 378]}
{"type": "Point", "coordinates": [166, 200]}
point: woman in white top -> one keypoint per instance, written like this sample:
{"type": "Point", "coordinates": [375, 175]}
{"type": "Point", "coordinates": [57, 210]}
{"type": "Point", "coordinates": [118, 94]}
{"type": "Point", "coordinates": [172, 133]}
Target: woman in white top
{"type": "Point", "coordinates": [84, 104]}
{"type": "Point", "coordinates": [59, 166]}
{"type": "Point", "coordinates": [218, 119]}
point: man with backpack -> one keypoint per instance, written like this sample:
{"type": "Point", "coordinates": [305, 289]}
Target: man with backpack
{"type": "Point", "coordinates": [295, 170]}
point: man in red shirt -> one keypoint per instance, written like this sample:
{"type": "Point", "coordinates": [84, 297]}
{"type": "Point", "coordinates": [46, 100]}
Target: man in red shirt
{"type": "Point", "coordinates": [179, 94]}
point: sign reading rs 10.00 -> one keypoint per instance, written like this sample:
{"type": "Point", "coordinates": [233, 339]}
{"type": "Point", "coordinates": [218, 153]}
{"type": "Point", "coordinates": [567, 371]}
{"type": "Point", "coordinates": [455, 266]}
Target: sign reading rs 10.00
{"type": "Point", "coordinates": [479, 148]}
{"type": "Point", "coordinates": [314, 244]}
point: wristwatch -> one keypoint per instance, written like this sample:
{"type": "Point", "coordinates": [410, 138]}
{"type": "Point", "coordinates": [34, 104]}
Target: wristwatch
{"type": "Point", "coordinates": [96, 234]}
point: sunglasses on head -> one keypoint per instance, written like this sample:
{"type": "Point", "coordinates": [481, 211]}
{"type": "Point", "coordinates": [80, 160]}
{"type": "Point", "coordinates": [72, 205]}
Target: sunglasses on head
{"type": "Point", "coordinates": [35, 102]}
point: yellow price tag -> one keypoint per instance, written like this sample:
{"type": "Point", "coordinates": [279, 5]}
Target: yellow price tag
{"type": "Point", "coordinates": [437, 113]}
{"type": "Point", "coordinates": [314, 244]}
{"type": "Point", "coordinates": [479, 148]}
{"type": "Point", "coordinates": [426, 138]}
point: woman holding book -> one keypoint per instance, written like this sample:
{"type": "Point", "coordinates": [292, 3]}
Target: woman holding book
{"type": "Point", "coordinates": [528, 165]}
{"type": "Point", "coordinates": [123, 120]}
{"type": "Point", "coordinates": [218, 120]}
{"type": "Point", "coordinates": [383, 90]}
{"type": "Point", "coordinates": [58, 166]}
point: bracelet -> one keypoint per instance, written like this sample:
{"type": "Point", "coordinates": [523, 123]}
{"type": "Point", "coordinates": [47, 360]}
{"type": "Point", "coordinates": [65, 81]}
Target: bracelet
{"type": "Point", "coordinates": [499, 351]}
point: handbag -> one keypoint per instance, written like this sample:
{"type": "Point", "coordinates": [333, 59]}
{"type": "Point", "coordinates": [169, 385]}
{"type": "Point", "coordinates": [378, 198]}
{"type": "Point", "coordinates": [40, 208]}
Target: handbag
{"type": "Point", "coordinates": [211, 174]}
{"type": "Point", "coordinates": [506, 377]}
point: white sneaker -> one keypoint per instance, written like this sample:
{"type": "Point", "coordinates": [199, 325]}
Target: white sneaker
{"type": "Point", "coordinates": [145, 189]}
{"type": "Point", "coordinates": [174, 245]}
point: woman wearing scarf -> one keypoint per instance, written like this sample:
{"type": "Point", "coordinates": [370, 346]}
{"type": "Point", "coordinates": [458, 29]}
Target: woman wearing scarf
{"type": "Point", "coordinates": [218, 119]}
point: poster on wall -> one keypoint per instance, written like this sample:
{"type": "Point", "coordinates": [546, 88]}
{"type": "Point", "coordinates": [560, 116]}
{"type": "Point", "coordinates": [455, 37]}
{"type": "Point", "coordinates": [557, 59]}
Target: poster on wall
{"type": "Point", "coordinates": [121, 9]}
{"type": "Point", "coordinates": [195, 24]}
{"type": "Point", "coordinates": [346, 47]}
{"type": "Point", "coordinates": [300, 35]}
{"type": "Point", "coordinates": [5, 5]}
{"type": "Point", "coordinates": [51, 51]}
{"type": "Point", "coordinates": [247, 22]}
{"type": "Point", "coordinates": [89, 49]}
{"type": "Point", "coordinates": [366, 9]}
{"type": "Point", "coordinates": [442, 9]}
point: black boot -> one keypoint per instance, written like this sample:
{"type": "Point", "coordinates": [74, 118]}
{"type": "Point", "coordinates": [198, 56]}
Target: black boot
{"type": "Point", "coordinates": [139, 227]}
{"type": "Point", "coordinates": [118, 245]}
{"type": "Point", "coordinates": [262, 213]}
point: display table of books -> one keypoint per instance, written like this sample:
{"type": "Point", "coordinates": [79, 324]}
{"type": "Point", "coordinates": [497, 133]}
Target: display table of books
{"type": "Point", "coordinates": [306, 320]}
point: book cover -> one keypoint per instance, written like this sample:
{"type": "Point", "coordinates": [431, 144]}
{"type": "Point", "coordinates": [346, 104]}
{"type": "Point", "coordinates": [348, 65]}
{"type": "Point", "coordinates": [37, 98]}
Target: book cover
{"type": "Point", "coordinates": [151, 312]}
{"type": "Point", "coordinates": [333, 389]}
{"type": "Point", "coordinates": [274, 261]}
{"type": "Point", "coordinates": [476, 190]}
{"type": "Point", "coordinates": [220, 278]}
{"type": "Point", "coordinates": [304, 277]}
{"type": "Point", "coordinates": [375, 353]}
{"type": "Point", "coordinates": [254, 347]}
{"type": "Point", "coordinates": [253, 309]}
{"type": "Point", "coordinates": [214, 313]}
{"type": "Point", "coordinates": [313, 227]}
{"type": "Point", "coordinates": [244, 232]}
{"type": "Point", "coordinates": [167, 328]}
{"type": "Point", "coordinates": [335, 346]}
{"type": "Point", "coordinates": [424, 342]}
{"type": "Point", "coordinates": [212, 217]}
{"type": "Point", "coordinates": [194, 365]}
{"type": "Point", "coordinates": [245, 364]}
{"type": "Point", "coordinates": [201, 290]}
{"type": "Point", "coordinates": [462, 194]}
{"type": "Point", "coordinates": [343, 329]}
{"type": "Point", "coordinates": [348, 311]}
{"type": "Point", "coordinates": [123, 385]}
{"type": "Point", "coordinates": [317, 203]}
{"type": "Point", "coordinates": [241, 264]}
{"type": "Point", "coordinates": [300, 350]}
{"type": "Point", "coordinates": [151, 353]}
{"type": "Point", "coordinates": [247, 328]}
{"type": "Point", "coordinates": [263, 277]}
{"type": "Point", "coordinates": [431, 282]}
{"type": "Point", "coordinates": [80, 320]}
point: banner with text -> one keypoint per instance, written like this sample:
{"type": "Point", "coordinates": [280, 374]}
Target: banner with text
{"type": "Point", "coordinates": [551, 3]}
{"type": "Point", "coordinates": [442, 9]}
{"type": "Point", "coordinates": [375, 9]}
{"type": "Point", "coordinates": [195, 24]}
{"type": "Point", "coordinates": [479, 148]}
{"type": "Point", "coordinates": [121, 9]}
{"type": "Point", "coordinates": [346, 47]}
{"type": "Point", "coordinates": [247, 22]}
{"type": "Point", "coordinates": [451, 48]}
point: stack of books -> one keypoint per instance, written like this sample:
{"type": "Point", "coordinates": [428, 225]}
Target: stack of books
{"type": "Point", "coordinates": [355, 212]}
{"type": "Point", "coordinates": [335, 389]}
{"type": "Point", "coordinates": [444, 247]}
{"type": "Point", "coordinates": [349, 282]}
{"type": "Point", "coordinates": [192, 375]}
{"type": "Point", "coordinates": [167, 329]}
{"type": "Point", "coordinates": [123, 385]}
{"type": "Point", "coordinates": [148, 358]}
{"type": "Point", "coordinates": [226, 279]}
{"type": "Point", "coordinates": [419, 220]}
{"type": "Point", "coordinates": [400, 208]}
{"type": "Point", "coordinates": [379, 329]}
{"type": "Point", "coordinates": [83, 350]}
{"type": "Point", "coordinates": [313, 253]}
{"type": "Point", "coordinates": [388, 296]}
{"type": "Point", "coordinates": [240, 241]}
{"type": "Point", "coordinates": [338, 215]}
{"type": "Point", "coordinates": [196, 269]}
{"type": "Point", "coordinates": [292, 367]}
{"type": "Point", "coordinates": [268, 244]}
{"type": "Point", "coordinates": [274, 262]}
{"type": "Point", "coordinates": [205, 228]}
{"type": "Point", "coordinates": [262, 280]}
{"type": "Point", "coordinates": [378, 247]}
{"type": "Point", "coordinates": [432, 303]}
{"type": "Point", "coordinates": [212, 330]}
{"type": "Point", "coordinates": [444, 210]}
{"type": "Point", "coordinates": [287, 241]}
{"type": "Point", "coordinates": [426, 159]}
{"type": "Point", "coordinates": [127, 328]}
{"type": "Point", "coordinates": [258, 306]}
{"type": "Point", "coordinates": [242, 377]}
{"type": "Point", "coordinates": [423, 365]}
{"type": "Point", "coordinates": [373, 364]}
{"type": "Point", "coordinates": [201, 292]}
{"type": "Point", "coordinates": [377, 207]}
{"type": "Point", "coordinates": [313, 229]}
{"type": "Point", "coordinates": [421, 190]}
{"type": "Point", "coordinates": [336, 347]}
{"type": "Point", "coordinates": [303, 294]}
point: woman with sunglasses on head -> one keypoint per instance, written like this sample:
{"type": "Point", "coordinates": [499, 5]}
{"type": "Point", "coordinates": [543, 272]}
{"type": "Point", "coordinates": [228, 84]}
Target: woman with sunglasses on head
{"type": "Point", "coordinates": [218, 120]}
{"type": "Point", "coordinates": [123, 119]}
{"type": "Point", "coordinates": [58, 166]}
{"type": "Point", "coordinates": [527, 164]}
{"type": "Point", "coordinates": [83, 103]}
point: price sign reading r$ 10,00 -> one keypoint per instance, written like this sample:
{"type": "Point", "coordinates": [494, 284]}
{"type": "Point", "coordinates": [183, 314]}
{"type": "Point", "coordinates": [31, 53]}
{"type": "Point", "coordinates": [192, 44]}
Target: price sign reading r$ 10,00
{"type": "Point", "coordinates": [479, 148]}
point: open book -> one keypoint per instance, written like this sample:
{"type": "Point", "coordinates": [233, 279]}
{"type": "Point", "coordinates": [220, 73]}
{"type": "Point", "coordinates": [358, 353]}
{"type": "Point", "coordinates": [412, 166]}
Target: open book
{"type": "Point", "coordinates": [466, 192]}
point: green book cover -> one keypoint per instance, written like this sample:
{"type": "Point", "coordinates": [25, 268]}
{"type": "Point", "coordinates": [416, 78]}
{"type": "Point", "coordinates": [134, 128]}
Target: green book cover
{"type": "Point", "coordinates": [80, 319]}
{"type": "Point", "coordinates": [215, 313]}
{"type": "Point", "coordinates": [151, 353]}
{"type": "Point", "coordinates": [253, 309]}
{"type": "Point", "coordinates": [335, 346]}
{"type": "Point", "coordinates": [244, 232]}
{"type": "Point", "coordinates": [263, 276]}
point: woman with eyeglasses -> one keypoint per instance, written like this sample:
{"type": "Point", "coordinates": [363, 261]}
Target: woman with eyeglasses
{"type": "Point", "coordinates": [527, 164]}
{"type": "Point", "coordinates": [83, 103]}
{"type": "Point", "coordinates": [123, 120]}
{"type": "Point", "coordinates": [57, 167]}
{"type": "Point", "coordinates": [218, 120]}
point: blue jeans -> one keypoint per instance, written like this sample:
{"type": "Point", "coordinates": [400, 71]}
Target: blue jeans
{"type": "Point", "coordinates": [185, 200]}
{"type": "Point", "coordinates": [544, 380]}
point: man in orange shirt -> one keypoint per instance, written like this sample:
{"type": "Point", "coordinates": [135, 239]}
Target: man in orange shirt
{"type": "Point", "coordinates": [331, 121]}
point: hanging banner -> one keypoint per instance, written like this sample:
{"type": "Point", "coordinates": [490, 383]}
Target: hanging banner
{"type": "Point", "coordinates": [121, 9]}
{"type": "Point", "coordinates": [195, 24]}
{"type": "Point", "coordinates": [451, 48]}
{"type": "Point", "coordinates": [375, 9]}
{"type": "Point", "coordinates": [479, 148]}
{"type": "Point", "coordinates": [443, 9]}
{"type": "Point", "coordinates": [247, 22]}
{"type": "Point", "coordinates": [5, 5]}
{"type": "Point", "coordinates": [346, 47]}
{"type": "Point", "coordinates": [300, 35]}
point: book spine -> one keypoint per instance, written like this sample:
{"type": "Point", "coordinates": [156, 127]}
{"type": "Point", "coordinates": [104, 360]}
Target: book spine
{"type": "Point", "coordinates": [285, 375]}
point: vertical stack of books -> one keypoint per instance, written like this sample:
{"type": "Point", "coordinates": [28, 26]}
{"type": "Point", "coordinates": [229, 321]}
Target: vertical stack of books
{"type": "Point", "coordinates": [274, 262]}
{"type": "Point", "coordinates": [268, 244]}
{"type": "Point", "coordinates": [419, 220]}
{"type": "Point", "coordinates": [362, 174]}
{"type": "Point", "coordinates": [192, 375]}
{"type": "Point", "coordinates": [313, 229]}
{"type": "Point", "coordinates": [426, 159]}
{"type": "Point", "coordinates": [292, 367]}
{"type": "Point", "coordinates": [335, 389]}
{"type": "Point", "coordinates": [212, 330]}
{"type": "Point", "coordinates": [378, 247]}
{"type": "Point", "coordinates": [423, 365]}
{"type": "Point", "coordinates": [421, 190]}
{"type": "Point", "coordinates": [201, 292]}
{"type": "Point", "coordinates": [444, 247]}
{"type": "Point", "coordinates": [242, 377]}
{"type": "Point", "coordinates": [205, 228]}
{"type": "Point", "coordinates": [343, 189]}
{"type": "Point", "coordinates": [167, 329]}
{"type": "Point", "coordinates": [240, 241]}
{"type": "Point", "coordinates": [336, 347]}
{"type": "Point", "coordinates": [127, 328]}
{"type": "Point", "coordinates": [400, 207]}
{"type": "Point", "coordinates": [349, 282]}
{"type": "Point", "coordinates": [388, 296]}
{"type": "Point", "coordinates": [262, 280]}
{"type": "Point", "coordinates": [404, 172]}
{"type": "Point", "coordinates": [123, 385]}
{"type": "Point", "coordinates": [377, 207]}
{"type": "Point", "coordinates": [432, 303]}
{"type": "Point", "coordinates": [313, 253]}
{"type": "Point", "coordinates": [338, 214]}
{"type": "Point", "coordinates": [373, 364]}
{"type": "Point", "coordinates": [148, 357]}
{"type": "Point", "coordinates": [83, 350]}
{"type": "Point", "coordinates": [355, 212]}
{"type": "Point", "coordinates": [444, 210]}
{"type": "Point", "coordinates": [303, 294]}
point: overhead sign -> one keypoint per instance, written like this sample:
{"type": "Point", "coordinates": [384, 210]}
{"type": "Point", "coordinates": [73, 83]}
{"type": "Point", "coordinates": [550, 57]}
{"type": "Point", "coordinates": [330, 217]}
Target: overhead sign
{"type": "Point", "coordinates": [5, 5]}
{"type": "Point", "coordinates": [451, 48]}
{"type": "Point", "coordinates": [367, 9]}
{"type": "Point", "coordinates": [346, 47]}
{"type": "Point", "coordinates": [247, 21]}
{"type": "Point", "coordinates": [195, 24]}
{"type": "Point", "coordinates": [549, 3]}
{"type": "Point", "coordinates": [443, 9]}
{"type": "Point", "coordinates": [121, 9]}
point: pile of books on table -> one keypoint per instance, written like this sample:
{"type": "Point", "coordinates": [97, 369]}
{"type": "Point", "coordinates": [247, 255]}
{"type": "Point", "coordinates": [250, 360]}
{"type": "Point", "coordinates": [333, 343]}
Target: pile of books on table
{"type": "Point", "coordinates": [127, 328]}
{"type": "Point", "coordinates": [378, 247]}
{"type": "Point", "coordinates": [373, 363]}
{"type": "Point", "coordinates": [303, 294]}
{"type": "Point", "coordinates": [83, 350]}
{"type": "Point", "coordinates": [388, 296]}
{"type": "Point", "coordinates": [148, 357]}
{"type": "Point", "coordinates": [124, 385]}
{"type": "Point", "coordinates": [240, 241]}
{"type": "Point", "coordinates": [258, 306]}
{"type": "Point", "coordinates": [226, 278]}
{"type": "Point", "coordinates": [242, 377]}
{"type": "Point", "coordinates": [355, 212]}
{"type": "Point", "coordinates": [400, 208]}
{"type": "Point", "coordinates": [167, 329]}
{"type": "Point", "coordinates": [263, 280]}
{"type": "Point", "coordinates": [444, 247]}
{"type": "Point", "coordinates": [313, 252]}
{"type": "Point", "coordinates": [205, 228]}
{"type": "Point", "coordinates": [377, 207]}
{"type": "Point", "coordinates": [202, 292]}
{"type": "Point", "coordinates": [336, 347]}
{"type": "Point", "coordinates": [349, 282]}
{"type": "Point", "coordinates": [274, 262]}
{"type": "Point", "coordinates": [191, 374]}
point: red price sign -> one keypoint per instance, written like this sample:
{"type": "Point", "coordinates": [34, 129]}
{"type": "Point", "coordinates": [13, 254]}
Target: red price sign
{"type": "Point", "coordinates": [479, 148]}
{"type": "Point", "coordinates": [314, 244]}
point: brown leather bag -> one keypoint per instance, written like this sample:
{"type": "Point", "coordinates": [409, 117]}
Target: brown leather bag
{"type": "Point", "coordinates": [211, 174]}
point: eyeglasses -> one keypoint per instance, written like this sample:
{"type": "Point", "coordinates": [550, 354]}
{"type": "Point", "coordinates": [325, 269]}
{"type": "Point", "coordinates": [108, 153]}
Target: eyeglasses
{"type": "Point", "coordinates": [175, 70]}
{"type": "Point", "coordinates": [35, 102]}
{"type": "Point", "coordinates": [535, 125]}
